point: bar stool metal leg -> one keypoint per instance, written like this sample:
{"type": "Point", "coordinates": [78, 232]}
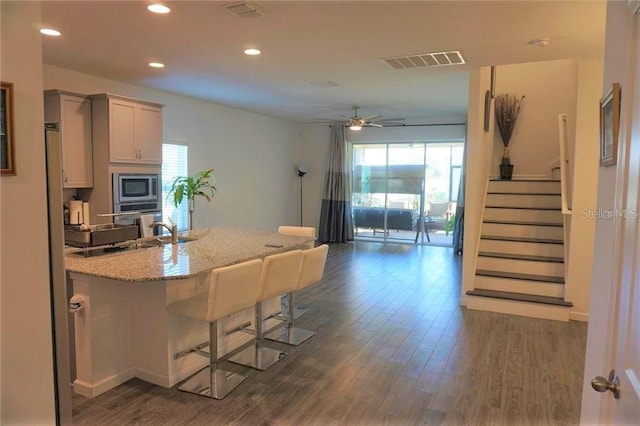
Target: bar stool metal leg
{"type": "Point", "coordinates": [211, 381]}
{"type": "Point", "coordinates": [297, 311]}
{"type": "Point", "coordinates": [288, 333]}
{"type": "Point", "coordinates": [257, 355]}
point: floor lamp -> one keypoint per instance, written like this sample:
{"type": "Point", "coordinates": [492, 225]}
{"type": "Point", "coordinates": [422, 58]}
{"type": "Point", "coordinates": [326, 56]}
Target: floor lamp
{"type": "Point", "coordinates": [302, 170]}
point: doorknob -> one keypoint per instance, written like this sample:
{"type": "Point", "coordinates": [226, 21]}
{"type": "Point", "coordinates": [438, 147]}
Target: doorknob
{"type": "Point", "coordinates": [600, 384]}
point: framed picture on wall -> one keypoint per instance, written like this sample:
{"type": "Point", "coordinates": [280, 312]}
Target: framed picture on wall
{"type": "Point", "coordinates": [609, 125]}
{"type": "Point", "coordinates": [7, 164]}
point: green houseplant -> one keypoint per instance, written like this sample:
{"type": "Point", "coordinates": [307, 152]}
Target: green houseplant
{"type": "Point", "coordinates": [190, 187]}
{"type": "Point", "coordinates": [508, 108]}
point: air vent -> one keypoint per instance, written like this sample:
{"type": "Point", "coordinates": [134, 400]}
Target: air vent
{"type": "Point", "coordinates": [245, 10]}
{"type": "Point", "coordinates": [436, 59]}
{"type": "Point", "coordinates": [324, 83]}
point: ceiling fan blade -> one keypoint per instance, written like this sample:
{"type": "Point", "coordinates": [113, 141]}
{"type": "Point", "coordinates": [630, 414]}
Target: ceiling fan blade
{"type": "Point", "coordinates": [373, 125]}
{"type": "Point", "coordinates": [386, 120]}
{"type": "Point", "coordinates": [373, 117]}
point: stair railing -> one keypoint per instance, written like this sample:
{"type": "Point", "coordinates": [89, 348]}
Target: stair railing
{"type": "Point", "coordinates": [565, 157]}
{"type": "Point", "coordinates": [565, 188]}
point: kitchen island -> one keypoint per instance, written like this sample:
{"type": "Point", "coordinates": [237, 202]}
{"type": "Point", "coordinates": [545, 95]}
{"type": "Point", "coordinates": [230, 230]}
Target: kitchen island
{"type": "Point", "coordinates": [124, 329]}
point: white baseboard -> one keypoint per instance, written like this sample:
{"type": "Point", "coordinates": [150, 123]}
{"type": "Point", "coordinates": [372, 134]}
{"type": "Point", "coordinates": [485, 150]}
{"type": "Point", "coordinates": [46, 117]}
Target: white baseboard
{"type": "Point", "coordinates": [579, 316]}
{"type": "Point", "coordinates": [151, 377]}
{"type": "Point", "coordinates": [92, 390]}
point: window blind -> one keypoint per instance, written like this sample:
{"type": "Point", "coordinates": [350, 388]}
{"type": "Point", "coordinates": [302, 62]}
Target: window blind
{"type": "Point", "coordinates": [174, 163]}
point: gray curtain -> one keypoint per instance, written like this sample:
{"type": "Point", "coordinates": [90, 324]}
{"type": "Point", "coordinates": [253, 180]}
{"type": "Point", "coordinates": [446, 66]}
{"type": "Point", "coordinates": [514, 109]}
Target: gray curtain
{"type": "Point", "coordinates": [458, 229]}
{"type": "Point", "coordinates": [335, 217]}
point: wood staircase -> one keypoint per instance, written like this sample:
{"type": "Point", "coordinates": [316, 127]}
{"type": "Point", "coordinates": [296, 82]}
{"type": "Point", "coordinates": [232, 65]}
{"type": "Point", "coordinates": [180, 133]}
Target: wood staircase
{"type": "Point", "coordinates": [520, 265]}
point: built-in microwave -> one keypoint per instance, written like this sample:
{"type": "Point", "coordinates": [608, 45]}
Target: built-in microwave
{"type": "Point", "coordinates": [135, 188]}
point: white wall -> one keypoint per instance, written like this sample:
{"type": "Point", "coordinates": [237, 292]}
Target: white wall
{"type": "Point", "coordinates": [313, 151]}
{"type": "Point", "coordinates": [550, 89]}
{"type": "Point", "coordinates": [26, 363]}
{"type": "Point", "coordinates": [585, 179]}
{"type": "Point", "coordinates": [480, 149]}
{"type": "Point", "coordinates": [253, 155]}
{"type": "Point", "coordinates": [433, 133]}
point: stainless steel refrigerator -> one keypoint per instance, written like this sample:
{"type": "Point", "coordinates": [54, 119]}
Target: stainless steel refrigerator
{"type": "Point", "coordinates": [58, 281]}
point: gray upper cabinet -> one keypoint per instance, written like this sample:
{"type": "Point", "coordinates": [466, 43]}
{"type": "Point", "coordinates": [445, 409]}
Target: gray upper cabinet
{"type": "Point", "coordinates": [73, 112]}
{"type": "Point", "coordinates": [131, 128]}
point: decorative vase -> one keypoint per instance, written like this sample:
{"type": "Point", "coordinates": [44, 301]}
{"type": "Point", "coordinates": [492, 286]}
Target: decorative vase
{"type": "Point", "coordinates": [506, 171]}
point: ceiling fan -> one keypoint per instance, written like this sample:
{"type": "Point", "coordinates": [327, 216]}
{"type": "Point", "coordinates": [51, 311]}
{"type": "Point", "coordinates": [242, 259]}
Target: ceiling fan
{"type": "Point", "coordinates": [356, 122]}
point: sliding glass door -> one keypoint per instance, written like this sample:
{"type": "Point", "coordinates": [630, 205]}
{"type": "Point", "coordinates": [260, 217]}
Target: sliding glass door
{"type": "Point", "coordinates": [405, 192]}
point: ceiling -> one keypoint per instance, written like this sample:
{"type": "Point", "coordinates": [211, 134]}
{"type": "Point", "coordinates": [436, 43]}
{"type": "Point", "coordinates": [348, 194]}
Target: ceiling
{"type": "Point", "coordinates": [305, 42]}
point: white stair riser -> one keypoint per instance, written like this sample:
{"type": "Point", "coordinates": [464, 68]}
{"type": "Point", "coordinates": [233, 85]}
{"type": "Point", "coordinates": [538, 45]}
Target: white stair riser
{"type": "Point", "coordinates": [527, 231]}
{"type": "Point", "coordinates": [539, 288]}
{"type": "Point", "coordinates": [523, 215]}
{"type": "Point", "coordinates": [532, 310]}
{"type": "Point", "coordinates": [524, 200]}
{"type": "Point", "coordinates": [515, 247]}
{"type": "Point", "coordinates": [528, 187]}
{"type": "Point", "coordinates": [548, 269]}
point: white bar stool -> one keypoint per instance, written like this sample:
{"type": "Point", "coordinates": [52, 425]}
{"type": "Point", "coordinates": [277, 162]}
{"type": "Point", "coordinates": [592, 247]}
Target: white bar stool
{"type": "Point", "coordinates": [305, 231]}
{"type": "Point", "coordinates": [311, 272]}
{"type": "Point", "coordinates": [231, 289]}
{"type": "Point", "coordinates": [280, 273]}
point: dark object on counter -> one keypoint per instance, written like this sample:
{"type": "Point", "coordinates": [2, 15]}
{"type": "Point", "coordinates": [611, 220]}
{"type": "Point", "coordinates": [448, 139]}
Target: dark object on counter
{"type": "Point", "coordinates": [65, 214]}
{"type": "Point", "coordinates": [98, 235]}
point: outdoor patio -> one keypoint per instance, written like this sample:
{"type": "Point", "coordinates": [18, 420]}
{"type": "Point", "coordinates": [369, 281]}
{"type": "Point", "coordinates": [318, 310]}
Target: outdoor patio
{"type": "Point", "coordinates": [436, 237]}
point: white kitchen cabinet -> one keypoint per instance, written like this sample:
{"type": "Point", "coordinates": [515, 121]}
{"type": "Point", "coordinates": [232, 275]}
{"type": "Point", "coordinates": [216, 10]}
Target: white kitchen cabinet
{"type": "Point", "coordinates": [73, 113]}
{"type": "Point", "coordinates": [131, 128]}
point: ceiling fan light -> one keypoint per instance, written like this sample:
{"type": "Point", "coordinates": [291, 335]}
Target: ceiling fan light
{"type": "Point", "coordinates": [355, 127]}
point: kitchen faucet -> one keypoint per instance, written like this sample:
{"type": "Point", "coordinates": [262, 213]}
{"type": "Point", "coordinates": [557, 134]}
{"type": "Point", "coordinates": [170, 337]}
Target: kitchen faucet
{"type": "Point", "coordinates": [173, 229]}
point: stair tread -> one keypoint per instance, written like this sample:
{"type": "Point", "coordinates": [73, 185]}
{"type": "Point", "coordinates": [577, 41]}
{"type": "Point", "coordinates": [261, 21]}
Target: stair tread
{"type": "Point", "coordinates": [521, 239]}
{"type": "Point", "coordinates": [524, 180]}
{"type": "Point", "coordinates": [524, 208]}
{"type": "Point", "coordinates": [525, 193]}
{"type": "Point", "coordinates": [521, 222]}
{"type": "Point", "coordinates": [522, 297]}
{"type": "Point", "coordinates": [520, 276]}
{"type": "Point", "coordinates": [553, 259]}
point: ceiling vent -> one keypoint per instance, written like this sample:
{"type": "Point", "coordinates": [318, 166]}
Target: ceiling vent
{"type": "Point", "coordinates": [245, 10]}
{"type": "Point", "coordinates": [324, 83]}
{"type": "Point", "coordinates": [436, 59]}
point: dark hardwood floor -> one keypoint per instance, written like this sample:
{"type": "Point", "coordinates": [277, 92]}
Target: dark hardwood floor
{"type": "Point", "coordinates": [392, 347]}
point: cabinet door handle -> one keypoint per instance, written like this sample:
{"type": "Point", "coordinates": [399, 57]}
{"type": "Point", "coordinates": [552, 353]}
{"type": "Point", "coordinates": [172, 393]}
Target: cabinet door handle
{"type": "Point", "coordinates": [64, 176]}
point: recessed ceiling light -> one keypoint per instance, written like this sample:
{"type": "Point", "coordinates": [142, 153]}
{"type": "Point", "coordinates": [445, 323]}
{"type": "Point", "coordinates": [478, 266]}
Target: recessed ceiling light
{"type": "Point", "coordinates": [156, 65]}
{"type": "Point", "coordinates": [50, 32]}
{"type": "Point", "coordinates": [158, 8]}
{"type": "Point", "coordinates": [252, 52]}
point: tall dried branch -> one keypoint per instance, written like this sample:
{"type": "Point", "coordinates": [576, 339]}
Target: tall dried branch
{"type": "Point", "coordinates": [508, 109]}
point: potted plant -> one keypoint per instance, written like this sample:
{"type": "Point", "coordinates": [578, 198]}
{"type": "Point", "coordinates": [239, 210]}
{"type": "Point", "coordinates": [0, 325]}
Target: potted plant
{"type": "Point", "coordinates": [508, 108]}
{"type": "Point", "coordinates": [187, 187]}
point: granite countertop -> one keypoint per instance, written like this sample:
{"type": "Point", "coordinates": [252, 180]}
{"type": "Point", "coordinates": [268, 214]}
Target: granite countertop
{"type": "Point", "coordinates": [213, 248]}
